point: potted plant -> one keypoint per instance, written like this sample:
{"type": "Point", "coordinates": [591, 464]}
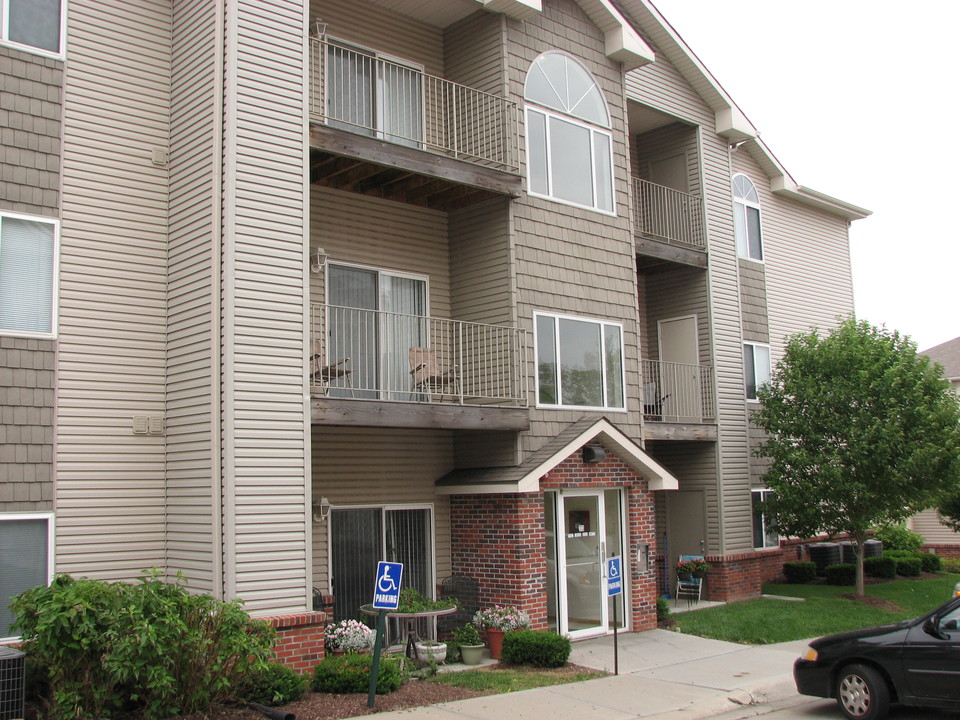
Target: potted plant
{"type": "Point", "coordinates": [349, 636]}
{"type": "Point", "coordinates": [496, 621]}
{"type": "Point", "coordinates": [692, 568]}
{"type": "Point", "coordinates": [470, 643]}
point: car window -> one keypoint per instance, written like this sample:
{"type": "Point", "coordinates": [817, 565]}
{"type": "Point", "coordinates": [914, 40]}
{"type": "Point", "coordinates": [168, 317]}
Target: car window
{"type": "Point", "coordinates": [950, 622]}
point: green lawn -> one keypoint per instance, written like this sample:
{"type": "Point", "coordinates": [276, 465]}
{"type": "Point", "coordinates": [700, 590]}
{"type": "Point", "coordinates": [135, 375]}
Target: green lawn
{"type": "Point", "coordinates": [822, 611]}
{"type": "Point", "coordinates": [510, 679]}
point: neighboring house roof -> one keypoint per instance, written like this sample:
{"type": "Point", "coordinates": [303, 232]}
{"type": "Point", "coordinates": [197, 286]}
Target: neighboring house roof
{"type": "Point", "coordinates": [948, 355]}
{"type": "Point", "coordinates": [525, 478]}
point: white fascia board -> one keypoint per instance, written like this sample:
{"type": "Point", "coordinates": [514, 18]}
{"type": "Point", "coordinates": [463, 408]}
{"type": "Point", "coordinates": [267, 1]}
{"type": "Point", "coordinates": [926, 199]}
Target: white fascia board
{"type": "Point", "coordinates": [733, 125]}
{"type": "Point", "coordinates": [785, 187]}
{"type": "Point", "coordinates": [516, 9]}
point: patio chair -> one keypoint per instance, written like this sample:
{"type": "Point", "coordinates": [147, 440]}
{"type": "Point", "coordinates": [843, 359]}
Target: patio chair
{"type": "Point", "coordinates": [692, 587]}
{"type": "Point", "coordinates": [428, 378]}
{"type": "Point", "coordinates": [321, 375]}
{"type": "Point", "coordinates": [653, 401]}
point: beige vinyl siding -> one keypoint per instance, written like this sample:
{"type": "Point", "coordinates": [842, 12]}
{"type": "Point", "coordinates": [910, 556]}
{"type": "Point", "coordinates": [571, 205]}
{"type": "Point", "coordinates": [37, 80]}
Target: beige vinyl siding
{"type": "Point", "coordinates": [480, 257]}
{"type": "Point", "coordinates": [474, 52]}
{"type": "Point", "coordinates": [193, 380]}
{"type": "Point", "coordinates": [679, 293]}
{"type": "Point", "coordinates": [110, 482]}
{"type": "Point", "coordinates": [660, 87]}
{"type": "Point", "coordinates": [376, 467]}
{"type": "Point", "coordinates": [571, 260]}
{"type": "Point", "coordinates": [385, 31]}
{"type": "Point", "coordinates": [694, 464]}
{"type": "Point", "coordinates": [753, 301]}
{"type": "Point", "coordinates": [928, 524]}
{"type": "Point", "coordinates": [806, 256]}
{"type": "Point", "coordinates": [265, 422]}
{"type": "Point", "coordinates": [360, 230]}
{"type": "Point", "coordinates": [673, 139]}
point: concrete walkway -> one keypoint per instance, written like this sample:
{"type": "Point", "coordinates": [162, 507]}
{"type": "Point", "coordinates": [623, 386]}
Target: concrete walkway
{"type": "Point", "coordinates": [663, 674]}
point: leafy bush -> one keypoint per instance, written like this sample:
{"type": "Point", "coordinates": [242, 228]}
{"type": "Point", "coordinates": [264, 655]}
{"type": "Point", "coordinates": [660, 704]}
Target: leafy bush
{"type": "Point", "coordinates": [467, 635]}
{"type": "Point", "coordinates": [663, 609]}
{"type": "Point", "coordinates": [908, 566]}
{"type": "Point", "coordinates": [800, 572]}
{"type": "Point", "coordinates": [880, 567]}
{"type": "Point", "coordinates": [273, 684]}
{"type": "Point", "coordinates": [150, 647]}
{"type": "Point", "coordinates": [897, 554]}
{"type": "Point", "coordinates": [350, 673]}
{"type": "Point", "coordinates": [951, 565]}
{"type": "Point", "coordinates": [897, 537]}
{"type": "Point", "coordinates": [930, 563]}
{"type": "Point", "coordinates": [841, 574]}
{"type": "Point", "coordinates": [540, 648]}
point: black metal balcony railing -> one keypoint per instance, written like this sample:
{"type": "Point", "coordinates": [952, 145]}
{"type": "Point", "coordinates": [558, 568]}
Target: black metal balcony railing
{"type": "Point", "coordinates": [366, 94]}
{"type": "Point", "coordinates": [668, 214]}
{"type": "Point", "coordinates": [677, 392]}
{"type": "Point", "coordinates": [377, 355]}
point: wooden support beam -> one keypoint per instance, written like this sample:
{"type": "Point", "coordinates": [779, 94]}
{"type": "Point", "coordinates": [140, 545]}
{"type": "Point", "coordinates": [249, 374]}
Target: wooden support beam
{"type": "Point", "coordinates": [679, 431]}
{"type": "Point", "coordinates": [366, 413]}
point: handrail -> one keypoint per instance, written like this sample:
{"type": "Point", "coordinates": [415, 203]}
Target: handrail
{"type": "Point", "coordinates": [369, 95]}
{"type": "Point", "coordinates": [379, 355]}
{"type": "Point", "coordinates": [677, 392]}
{"type": "Point", "coordinates": [668, 214]}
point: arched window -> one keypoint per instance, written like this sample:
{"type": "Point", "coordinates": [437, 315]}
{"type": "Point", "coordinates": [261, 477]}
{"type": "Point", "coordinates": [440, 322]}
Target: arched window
{"type": "Point", "coordinates": [746, 218]}
{"type": "Point", "coordinates": [569, 147]}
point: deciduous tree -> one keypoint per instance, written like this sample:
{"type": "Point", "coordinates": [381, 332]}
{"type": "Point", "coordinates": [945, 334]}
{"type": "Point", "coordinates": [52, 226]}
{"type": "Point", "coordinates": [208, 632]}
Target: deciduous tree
{"type": "Point", "coordinates": [861, 430]}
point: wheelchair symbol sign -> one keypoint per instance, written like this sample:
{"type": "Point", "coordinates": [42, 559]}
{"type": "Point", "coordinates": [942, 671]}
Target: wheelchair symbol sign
{"type": "Point", "coordinates": [386, 594]}
{"type": "Point", "coordinates": [614, 578]}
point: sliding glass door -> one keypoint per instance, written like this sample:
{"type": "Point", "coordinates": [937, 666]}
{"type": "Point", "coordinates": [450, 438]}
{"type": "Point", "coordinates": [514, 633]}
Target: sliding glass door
{"type": "Point", "coordinates": [361, 537]}
{"type": "Point", "coordinates": [373, 320]}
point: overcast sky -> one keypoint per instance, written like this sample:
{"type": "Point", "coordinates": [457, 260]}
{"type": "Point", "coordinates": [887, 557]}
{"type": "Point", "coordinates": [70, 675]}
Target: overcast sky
{"type": "Point", "coordinates": [857, 99]}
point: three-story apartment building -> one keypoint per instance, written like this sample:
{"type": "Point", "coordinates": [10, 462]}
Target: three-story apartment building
{"type": "Point", "coordinates": [482, 286]}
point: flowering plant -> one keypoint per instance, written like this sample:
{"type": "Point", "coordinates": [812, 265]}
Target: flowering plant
{"type": "Point", "coordinates": [693, 566]}
{"type": "Point", "coordinates": [501, 617]}
{"type": "Point", "coordinates": [350, 635]}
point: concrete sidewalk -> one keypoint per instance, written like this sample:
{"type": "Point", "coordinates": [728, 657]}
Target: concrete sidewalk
{"type": "Point", "coordinates": [663, 674]}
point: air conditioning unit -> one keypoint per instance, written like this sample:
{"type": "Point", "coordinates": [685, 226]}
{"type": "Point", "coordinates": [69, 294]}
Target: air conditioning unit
{"type": "Point", "coordinates": [13, 676]}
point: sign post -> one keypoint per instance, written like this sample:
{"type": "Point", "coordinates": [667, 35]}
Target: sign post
{"type": "Point", "coordinates": [386, 596]}
{"type": "Point", "coordinates": [614, 588]}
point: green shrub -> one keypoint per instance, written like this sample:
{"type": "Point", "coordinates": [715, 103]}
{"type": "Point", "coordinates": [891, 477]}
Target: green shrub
{"type": "Point", "coordinates": [273, 684]}
{"type": "Point", "coordinates": [951, 565]}
{"type": "Point", "coordinates": [150, 647]}
{"type": "Point", "coordinates": [897, 554]}
{"type": "Point", "coordinates": [799, 572]}
{"type": "Point", "coordinates": [880, 567]}
{"type": "Point", "coordinates": [908, 566]}
{"type": "Point", "coordinates": [897, 537]}
{"type": "Point", "coordinates": [540, 648]}
{"type": "Point", "coordinates": [350, 673]}
{"type": "Point", "coordinates": [930, 563]}
{"type": "Point", "coordinates": [663, 609]}
{"type": "Point", "coordinates": [841, 574]}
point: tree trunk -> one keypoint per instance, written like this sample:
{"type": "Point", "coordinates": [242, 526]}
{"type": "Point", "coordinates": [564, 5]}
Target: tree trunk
{"type": "Point", "coordinates": [859, 550]}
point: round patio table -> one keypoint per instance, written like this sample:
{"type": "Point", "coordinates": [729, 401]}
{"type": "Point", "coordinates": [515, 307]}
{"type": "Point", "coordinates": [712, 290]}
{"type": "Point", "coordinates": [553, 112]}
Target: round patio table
{"type": "Point", "coordinates": [411, 620]}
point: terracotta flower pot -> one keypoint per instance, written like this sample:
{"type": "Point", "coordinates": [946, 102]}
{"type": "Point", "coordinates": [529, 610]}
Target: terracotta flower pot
{"type": "Point", "coordinates": [495, 642]}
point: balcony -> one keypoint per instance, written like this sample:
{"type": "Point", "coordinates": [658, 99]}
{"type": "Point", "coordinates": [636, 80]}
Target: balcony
{"type": "Point", "coordinates": [674, 219]}
{"type": "Point", "coordinates": [680, 394]}
{"type": "Point", "coordinates": [415, 371]}
{"type": "Point", "coordinates": [386, 128]}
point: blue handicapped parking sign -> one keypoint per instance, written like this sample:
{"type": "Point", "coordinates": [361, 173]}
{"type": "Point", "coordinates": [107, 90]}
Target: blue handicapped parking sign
{"type": "Point", "coordinates": [614, 576]}
{"type": "Point", "coordinates": [386, 594]}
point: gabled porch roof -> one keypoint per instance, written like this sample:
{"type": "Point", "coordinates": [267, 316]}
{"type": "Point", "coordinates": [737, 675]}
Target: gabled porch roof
{"type": "Point", "coordinates": [525, 478]}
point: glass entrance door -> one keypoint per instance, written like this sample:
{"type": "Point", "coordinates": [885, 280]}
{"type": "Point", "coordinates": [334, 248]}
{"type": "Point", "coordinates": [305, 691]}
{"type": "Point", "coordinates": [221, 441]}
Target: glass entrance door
{"type": "Point", "coordinates": [584, 528]}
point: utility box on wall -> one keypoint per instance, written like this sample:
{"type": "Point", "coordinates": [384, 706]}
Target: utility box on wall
{"type": "Point", "coordinates": [12, 683]}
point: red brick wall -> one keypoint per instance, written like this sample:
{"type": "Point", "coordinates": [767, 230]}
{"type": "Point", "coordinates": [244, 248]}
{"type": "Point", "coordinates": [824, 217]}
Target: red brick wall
{"type": "Point", "coordinates": [943, 550]}
{"type": "Point", "coordinates": [300, 644]}
{"type": "Point", "coordinates": [500, 539]}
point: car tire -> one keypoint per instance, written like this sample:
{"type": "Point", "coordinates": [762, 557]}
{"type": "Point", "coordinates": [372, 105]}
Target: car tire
{"type": "Point", "coordinates": [862, 693]}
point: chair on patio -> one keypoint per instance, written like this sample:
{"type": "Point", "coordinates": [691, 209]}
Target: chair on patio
{"type": "Point", "coordinates": [322, 375]}
{"type": "Point", "coordinates": [689, 588]}
{"type": "Point", "coordinates": [653, 401]}
{"type": "Point", "coordinates": [428, 378]}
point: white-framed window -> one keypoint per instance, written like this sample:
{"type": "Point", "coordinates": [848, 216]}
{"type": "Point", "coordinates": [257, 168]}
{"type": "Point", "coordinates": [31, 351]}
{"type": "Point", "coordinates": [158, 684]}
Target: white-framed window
{"type": "Point", "coordinates": [26, 559]}
{"type": "Point", "coordinates": [33, 25]}
{"type": "Point", "coordinates": [746, 218]}
{"type": "Point", "coordinates": [28, 275]}
{"type": "Point", "coordinates": [569, 143]}
{"type": "Point", "coordinates": [756, 367]}
{"type": "Point", "coordinates": [763, 535]}
{"type": "Point", "coordinates": [579, 362]}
